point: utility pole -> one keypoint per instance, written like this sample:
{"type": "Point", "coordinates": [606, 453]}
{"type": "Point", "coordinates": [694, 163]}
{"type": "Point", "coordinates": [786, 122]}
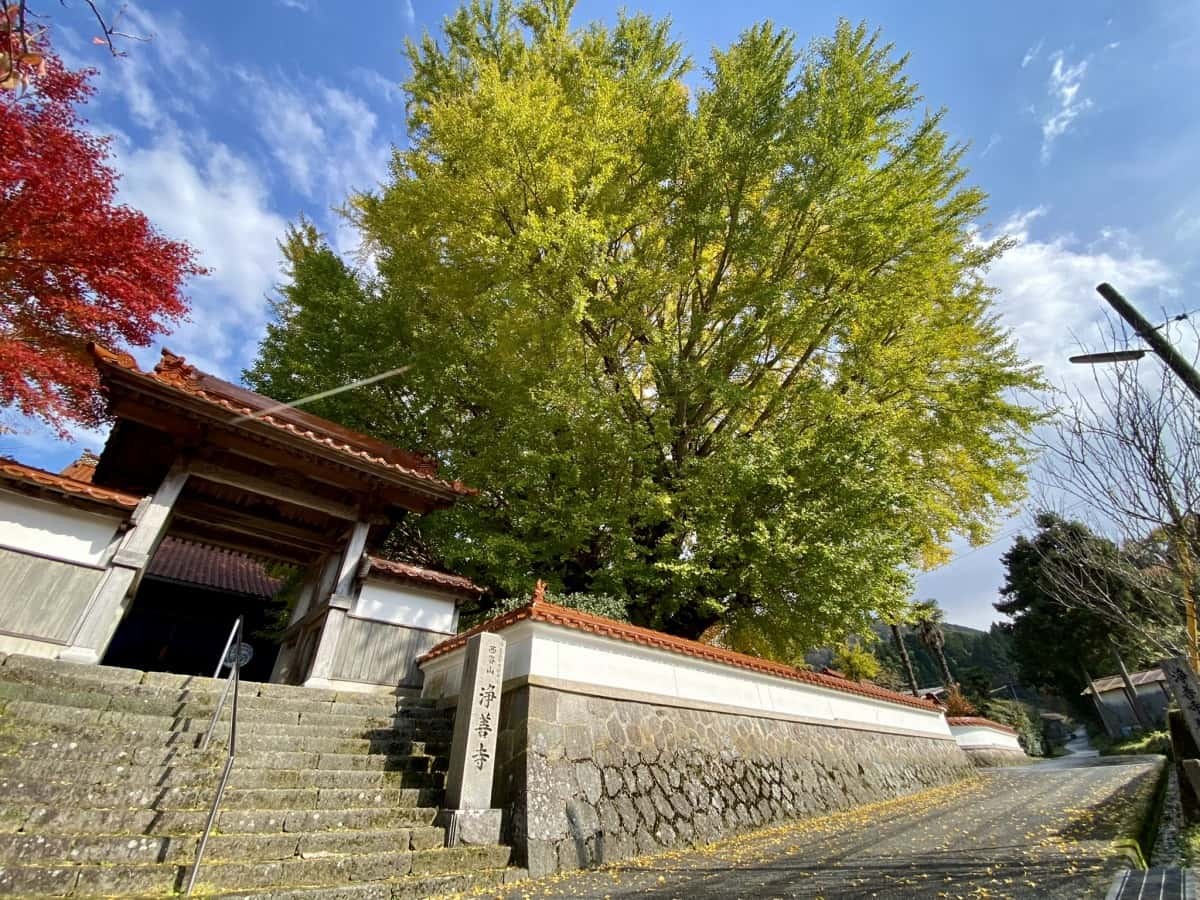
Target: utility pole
{"type": "Point", "coordinates": [1190, 377]}
{"type": "Point", "coordinates": [1152, 336]}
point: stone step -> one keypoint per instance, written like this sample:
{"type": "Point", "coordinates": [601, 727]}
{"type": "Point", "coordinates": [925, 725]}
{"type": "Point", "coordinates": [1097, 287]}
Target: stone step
{"type": "Point", "coordinates": [332, 871]}
{"type": "Point", "coordinates": [405, 755]}
{"type": "Point", "coordinates": [46, 820]}
{"type": "Point", "coordinates": [159, 701]}
{"type": "Point", "coordinates": [112, 680]}
{"type": "Point", "coordinates": [17, 792]}
{"type": "Point", "coordinates": [61, 849]}
{"type": "Point", "coordinates": [481, 883]}
{"type": "Point", "coordinates": [173, 710]}
{"type": "Point", "coordinates": [111, 737]}
{"type": "Point", "coordinates": [312, 724]}
{"type": "Point", "coordinates": [416, 774]}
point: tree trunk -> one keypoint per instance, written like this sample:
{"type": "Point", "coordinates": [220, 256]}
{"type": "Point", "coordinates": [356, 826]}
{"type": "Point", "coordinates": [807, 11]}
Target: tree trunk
{"type": "Point", "coordinates": [904, 658]}
{"type": "Point", "coordinates": [941, 657]}
{"type": "Point", "coordinates": [1110, 728]}
{"type": "Point", "coordinates": [1135, 703]}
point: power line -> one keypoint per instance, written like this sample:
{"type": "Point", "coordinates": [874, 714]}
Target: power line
{"type": "Point", "coordinates": [278, 407]}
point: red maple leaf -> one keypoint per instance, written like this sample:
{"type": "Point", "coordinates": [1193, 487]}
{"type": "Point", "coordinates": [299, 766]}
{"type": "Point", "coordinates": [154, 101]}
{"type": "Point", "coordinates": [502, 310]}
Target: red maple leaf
{"type": "Point", "coordinates": [75, 266]}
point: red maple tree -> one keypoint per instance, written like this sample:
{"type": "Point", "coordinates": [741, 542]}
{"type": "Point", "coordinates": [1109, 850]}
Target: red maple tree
{"type": "Point", "coordinates": [75, 266]}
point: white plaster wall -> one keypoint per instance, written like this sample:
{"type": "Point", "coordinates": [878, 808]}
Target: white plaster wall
{"type": "Point", "coordinates": [55, 530]}
{"type": "Point", "coordinates": [980, 737]}
{"type": "Point", "coordinates": [554, 652]}
{"type": "Point", "coordinates": [386, 601]}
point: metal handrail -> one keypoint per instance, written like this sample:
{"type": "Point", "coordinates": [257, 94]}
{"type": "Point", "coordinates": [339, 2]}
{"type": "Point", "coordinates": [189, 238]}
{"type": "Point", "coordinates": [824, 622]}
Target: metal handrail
{"type": "Point", "coordinates": [234, 679]}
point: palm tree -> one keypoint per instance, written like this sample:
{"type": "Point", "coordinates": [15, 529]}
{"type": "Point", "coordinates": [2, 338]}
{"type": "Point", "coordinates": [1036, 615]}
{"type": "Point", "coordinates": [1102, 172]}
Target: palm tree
{"type": "Point", "coordinates": [928, 617]}
{"type": "Point", "coordinates": [898, 638]}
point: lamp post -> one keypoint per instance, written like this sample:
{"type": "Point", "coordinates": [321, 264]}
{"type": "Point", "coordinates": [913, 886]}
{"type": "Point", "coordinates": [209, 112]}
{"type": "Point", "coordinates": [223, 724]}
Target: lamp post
{"type": "Point", "coordinates": [1188, 375]}
{"type": "Point", "coordinates": [1151, 335]}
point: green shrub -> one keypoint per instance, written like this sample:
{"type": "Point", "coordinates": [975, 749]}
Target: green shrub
{"type": "Point", "coordinates": [1020, 717]}
{"type": "Point", "coordinates": [1149, 742]}
{"type": "Point", "coordinates": [596, 604]}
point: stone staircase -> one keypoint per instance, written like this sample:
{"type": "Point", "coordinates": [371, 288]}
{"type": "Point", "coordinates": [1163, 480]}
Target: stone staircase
{"type": "Point", "coordinates": [104, 793]}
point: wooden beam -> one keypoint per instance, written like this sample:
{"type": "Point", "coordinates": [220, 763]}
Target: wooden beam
{"type": "Point", "coordinates": [229, 520]}
{"type": "Point", "coordinates": [339, 477]}
{"type": "Point", "coordinates": [192, 531]}
{"type": "Point", "coordinates": [267, 488]}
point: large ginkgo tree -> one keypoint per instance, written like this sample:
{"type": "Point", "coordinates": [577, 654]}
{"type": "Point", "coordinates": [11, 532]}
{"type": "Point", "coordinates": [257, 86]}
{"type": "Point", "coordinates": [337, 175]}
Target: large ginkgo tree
{"type": "Point", "coordinates": [717, 342]}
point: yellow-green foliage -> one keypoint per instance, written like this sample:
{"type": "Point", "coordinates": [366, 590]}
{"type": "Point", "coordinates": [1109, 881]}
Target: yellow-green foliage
{"type": "Point", "coordinates": [720, 346]}
{"type": "Point", "coordinates": [857, 662]}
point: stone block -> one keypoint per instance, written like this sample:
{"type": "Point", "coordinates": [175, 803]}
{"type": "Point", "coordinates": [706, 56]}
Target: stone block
{"type": "Point", "coordinates": [427, 837]}
{"type": "Point", "coordinates": [546, 739]}
{"type": "Point", "coordinates": [32, 881]}
{"type": "Point", "coordinates": [541, 857]}
{"type": "Point", "coordinates": [125, 881]}
{"type": "Point", "coordinates": [577, 742]}
{"type": "Point", "coordinates": [543, 704]}
{"type": "Point", "coordinates": [470, 827]}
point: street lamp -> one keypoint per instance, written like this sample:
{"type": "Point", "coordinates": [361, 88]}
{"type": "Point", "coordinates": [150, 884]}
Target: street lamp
{"type": "Point", "coordinates": [1151, 335]}
{"type": "Point", "coordinates": [1114, 356]}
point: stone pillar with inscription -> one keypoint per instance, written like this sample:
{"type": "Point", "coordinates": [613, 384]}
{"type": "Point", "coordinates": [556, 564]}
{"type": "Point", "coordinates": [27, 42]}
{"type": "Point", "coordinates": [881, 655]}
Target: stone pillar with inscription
{"type": "Point", "coordinates": [1182, 682]}
{"type": "Point", "coordinates": [468, 816]}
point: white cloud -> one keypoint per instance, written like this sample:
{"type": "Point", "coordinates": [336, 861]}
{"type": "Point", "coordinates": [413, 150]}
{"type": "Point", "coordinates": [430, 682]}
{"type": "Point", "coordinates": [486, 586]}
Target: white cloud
{"type": "Point", "coordinates": [325, 139]}
{"type": "Point", "coordinates": [991, 145]}
{"type": "Point", "coordinates": [1064, 86]}
{"type": "Point", "coordinates": [410, 15]}
{"type": "Point", "coordinates": [301, 5]}
{"type": "Point", "coordinates": [1048, 289]}
{"type": "Point", "coordinates": [379, 84]}
{"type": "Point", "coordinates": [1032, 53]}
{"type": "Point", "coordinates": [1047, 298]}
{"type": "Point", "coordinates": [200, 191]}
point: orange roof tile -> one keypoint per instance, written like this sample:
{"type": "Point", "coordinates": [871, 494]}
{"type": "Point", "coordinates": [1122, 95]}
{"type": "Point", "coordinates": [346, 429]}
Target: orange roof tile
{"type": "Point", "coordinates": [979, 720]}
{"type": "Point", "coordinates": [538, 610]}
{"type": "Point", "coordinates": [174, 372]}
{"type": "Point", "coordinates": [212, 567]}
{"type": "Point", "coordinates": [15, 472]}
{"type": "Point", "coordinates": [83, 469]}
{"type": "Point", "coordinates": [408, 572]}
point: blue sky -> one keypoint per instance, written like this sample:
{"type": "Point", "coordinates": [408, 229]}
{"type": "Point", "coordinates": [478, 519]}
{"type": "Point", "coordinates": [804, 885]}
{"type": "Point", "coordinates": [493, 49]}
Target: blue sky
{"type": "Point", "coordinates": [1083, 118]}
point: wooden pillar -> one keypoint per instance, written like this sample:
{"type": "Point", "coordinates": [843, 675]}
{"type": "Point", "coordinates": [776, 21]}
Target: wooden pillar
{"type": "Point", "coordinates": [339, 604]}
{"type": "Point", "coordinates": [1131, 694]}
{"type": "Point", "coordinates": [112, 597]}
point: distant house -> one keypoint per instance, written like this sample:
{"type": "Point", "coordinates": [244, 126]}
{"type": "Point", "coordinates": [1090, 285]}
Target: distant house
{"type": "Point", "coordinates": [1056, 728]}
{"type": "Point", "coordinates": [1119, 718]}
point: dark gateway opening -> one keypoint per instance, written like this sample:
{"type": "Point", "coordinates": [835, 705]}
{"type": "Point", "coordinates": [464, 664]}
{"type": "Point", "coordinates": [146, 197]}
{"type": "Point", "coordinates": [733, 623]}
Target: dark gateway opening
{"type": "Point", "coordinates": [186, 605]}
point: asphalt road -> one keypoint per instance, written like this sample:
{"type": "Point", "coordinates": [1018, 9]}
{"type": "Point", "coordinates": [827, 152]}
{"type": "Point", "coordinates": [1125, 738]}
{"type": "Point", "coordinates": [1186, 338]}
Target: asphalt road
{"type": "Point", "coordinates": [1041, 830]}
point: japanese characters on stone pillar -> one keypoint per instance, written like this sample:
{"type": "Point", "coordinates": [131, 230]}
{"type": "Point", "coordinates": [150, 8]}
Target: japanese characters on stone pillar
{"type": "Point", "coordinates": [1182, 682]}
{"type": "Point", "coordinates": [468, 816]}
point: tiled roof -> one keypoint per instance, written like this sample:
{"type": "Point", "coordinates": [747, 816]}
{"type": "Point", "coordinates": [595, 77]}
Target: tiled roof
{"type": "Point", "coordinates": [19, 474]}
{"type": "Point", "coordinates": [83, 469]}
{"type": "Point", "coordinates": [978, 720]}
{"type": "Point", "coordinates": [538, 610]}
{"type": "Point", "coordinates": [212, 567]}
{"type": "Point", "coordinates": [408, 572]}
{"type": "Point", "coordinates": [1115, 683]}
{"type": "Point", "coordinates": [174, 372]}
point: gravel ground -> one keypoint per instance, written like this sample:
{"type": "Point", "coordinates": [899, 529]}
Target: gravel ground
{"type": "Point", "coordinates": [1042, 830]}
{"type": "Point", "coordinates": [1168, 851]}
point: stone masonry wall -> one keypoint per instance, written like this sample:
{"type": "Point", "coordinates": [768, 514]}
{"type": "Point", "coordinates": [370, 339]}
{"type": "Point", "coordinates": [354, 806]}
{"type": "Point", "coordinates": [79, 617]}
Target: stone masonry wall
{"type": "Point", "coordinates": [587, 780]}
